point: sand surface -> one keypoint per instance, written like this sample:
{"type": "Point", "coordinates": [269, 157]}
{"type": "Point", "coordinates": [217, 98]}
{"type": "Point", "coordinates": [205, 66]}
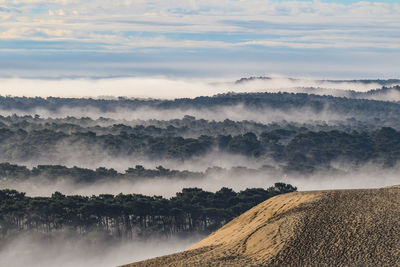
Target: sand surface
{"type": "Point", "coordinates": [319, 228]}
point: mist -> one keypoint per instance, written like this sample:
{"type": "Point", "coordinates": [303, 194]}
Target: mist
{"type": "Point", "coordinates": [234, 113]}
{"type": "Point", "coordinates": [232, 171]}
{"type": "Point", "coordinates": [93, 158]}
{"type": "Point", "coordinates": [370, 177]}
{"type": "Point", "coordinates": [367, 176]}
{"type": "Point", "coordinates": [389, 95]}
{"type": "Point", "coordinates": [169, 88]}
{"type": "Point", "coordinates": [62, 250]}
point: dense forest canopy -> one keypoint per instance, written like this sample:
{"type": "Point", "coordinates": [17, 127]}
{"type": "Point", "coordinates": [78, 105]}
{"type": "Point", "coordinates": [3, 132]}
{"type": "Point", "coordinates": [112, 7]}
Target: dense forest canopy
{"type": "Point", "coordinates": [50, 140]}
{"type": "Point", "coordinates": [288, 147]}
{"type": "Point", "coordinates": [365, 132]}
{"type": "Point", "coordinates": [188, 126]}
{"type": "Point", "coordinates": [280, 101]}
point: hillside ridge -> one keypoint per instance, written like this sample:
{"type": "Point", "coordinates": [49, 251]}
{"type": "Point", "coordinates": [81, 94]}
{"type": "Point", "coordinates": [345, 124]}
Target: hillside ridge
{"type": "Point", "coordinates": [325, 228]}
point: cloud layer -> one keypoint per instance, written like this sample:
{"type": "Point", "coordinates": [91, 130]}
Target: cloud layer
{"type": "Point", "coordinates": [126, 25]}
{"type": "Point", "coordinates": [167, 88]}
{"type": "Point", "coordinates": [190, 38]}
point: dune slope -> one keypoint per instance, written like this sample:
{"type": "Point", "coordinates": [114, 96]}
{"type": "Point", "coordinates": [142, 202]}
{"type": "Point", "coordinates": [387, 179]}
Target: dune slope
{"type": "Point", "coordinates": [322, 228]}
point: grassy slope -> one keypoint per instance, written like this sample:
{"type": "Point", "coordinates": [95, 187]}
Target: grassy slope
{"type": "Point", "coordinates": [322, 228]}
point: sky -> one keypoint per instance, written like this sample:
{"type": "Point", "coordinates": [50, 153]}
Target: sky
{"type": "Point", "coordinates": [192, 38]}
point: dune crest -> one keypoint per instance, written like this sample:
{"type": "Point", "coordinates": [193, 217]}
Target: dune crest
{"type": "Point", "coordinates": [324, 228]}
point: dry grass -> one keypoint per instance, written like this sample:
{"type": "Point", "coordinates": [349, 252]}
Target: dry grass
{"type": "Point", "coordinates": [322, 228]}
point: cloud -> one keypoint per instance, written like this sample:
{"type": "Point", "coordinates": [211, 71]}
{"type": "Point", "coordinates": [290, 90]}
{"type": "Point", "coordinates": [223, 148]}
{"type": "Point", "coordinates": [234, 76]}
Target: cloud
{"type": "Point", "coordinates": [58, 12]}
{"type": "Point", "coordinates": [126, 25]}
{"type": "Point", "coordinates": [251, 37]}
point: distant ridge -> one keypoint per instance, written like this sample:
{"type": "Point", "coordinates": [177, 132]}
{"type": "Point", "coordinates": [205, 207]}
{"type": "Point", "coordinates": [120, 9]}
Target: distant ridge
{"type": "Point", "coordinates": [319, 228]}
{"type": "Point", "coordinates": [387, 90]}
{"type": "Point", "coordinates": [382, 82]}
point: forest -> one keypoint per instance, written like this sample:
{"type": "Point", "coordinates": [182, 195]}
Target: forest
{"type": "Point", "coordinates": [134, 144]}
{"type": "Point", "coordinates": [84, 175]}
{"type": "Point", "coordinates": [254, 101]}
{"type": "Point", "coordinates": [129, 216]}
{"type": "Point", "coordinates": [295, 150]}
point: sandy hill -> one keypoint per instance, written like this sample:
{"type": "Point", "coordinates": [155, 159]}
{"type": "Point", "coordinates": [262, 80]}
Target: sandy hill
{"type": "Point", "coordinates": [322, 228]}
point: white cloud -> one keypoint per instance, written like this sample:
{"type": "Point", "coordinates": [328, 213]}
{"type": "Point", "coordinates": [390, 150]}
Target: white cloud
{"type": "Point", "coordinates": [58, 12]}
{"type": "Point", "coordinates": [293, 24]}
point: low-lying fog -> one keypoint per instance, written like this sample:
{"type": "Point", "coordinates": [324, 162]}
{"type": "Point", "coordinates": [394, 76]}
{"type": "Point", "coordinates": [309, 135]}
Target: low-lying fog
{"type": "Point", "coordinates": [369, 176]}
{"type": "Point", "coordinates": [95, 158]}
{"type": "Point", "coordinates": [64, 251]}
{"type": "Point", "coordinates": [234, 113]}
{"type": "Point", "coordinates": [170, 88]}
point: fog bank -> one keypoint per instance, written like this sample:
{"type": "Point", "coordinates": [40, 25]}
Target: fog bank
{"type": "Point", "coordinates": [64, 251]}
{"type": "Point", "coordinates": [94, 158]}
{"type": "Point", "coordinates": [168, 88]}
{"type": "Point", "coordinates": [221, 113]}
{"type": "Point", "coordinates": [369, 176]}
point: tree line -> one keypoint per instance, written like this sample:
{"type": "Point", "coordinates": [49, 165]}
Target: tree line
{"type": "Point", "coordinates": [278, 101]}
{"type": "Point", "coordinates": [299, 151]}
{"type": "Point", "coordinates": [129, 215]}
{"type": "Point", "coordinates": [188, 126]}
{"type": "Point", "coordinates": [76, 174]}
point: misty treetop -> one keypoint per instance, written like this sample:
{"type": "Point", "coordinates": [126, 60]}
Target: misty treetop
{"type": "Point", "coordinates": [297, 150]}
{"type": "Point", "coordinates": [127, 216]}
{"type": "Point", "coordinates": [14, 172]}
{"type": "Point", "coordinates": [381, 82]}
{"type": "Point", "coordinates": [363, 131]}
{"type": "Point", "coordinates": [188, 126]}
{"type": "Point", "coordinates": [360, 132]}
{"type": "Point", "coordinates": [278, 101]}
